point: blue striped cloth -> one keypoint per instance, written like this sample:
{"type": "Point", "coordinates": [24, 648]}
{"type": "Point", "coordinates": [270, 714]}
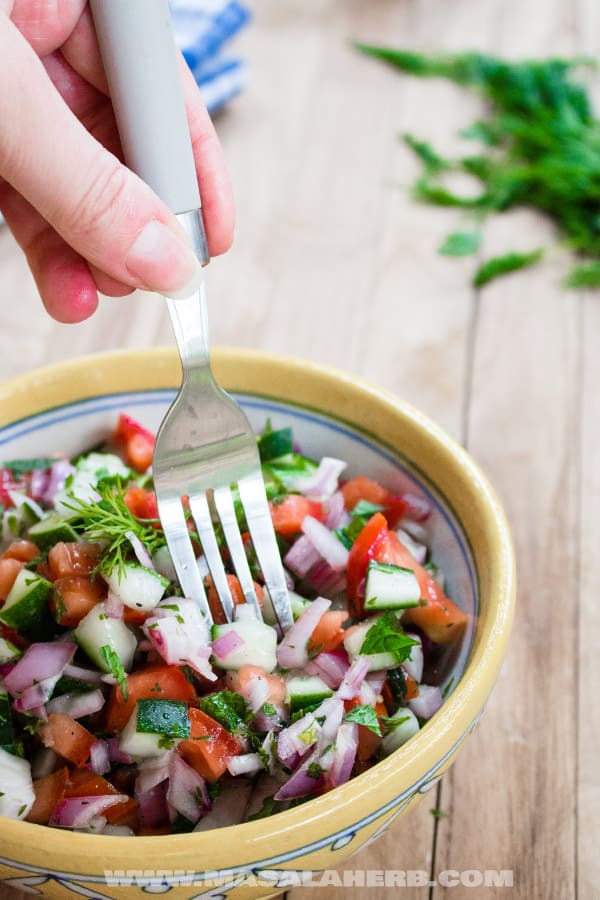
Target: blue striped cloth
{"type": "Point", "coordinates": [202, 29]}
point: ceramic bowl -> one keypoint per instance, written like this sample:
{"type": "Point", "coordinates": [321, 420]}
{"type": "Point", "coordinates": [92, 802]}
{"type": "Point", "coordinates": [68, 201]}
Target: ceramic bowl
{"type": "Point", "coordinates": [70, 407]}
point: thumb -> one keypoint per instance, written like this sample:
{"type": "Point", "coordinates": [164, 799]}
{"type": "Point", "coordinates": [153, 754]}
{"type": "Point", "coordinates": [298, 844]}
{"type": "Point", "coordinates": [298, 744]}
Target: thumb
{"type": "Point", "coordinates": [100, 208]}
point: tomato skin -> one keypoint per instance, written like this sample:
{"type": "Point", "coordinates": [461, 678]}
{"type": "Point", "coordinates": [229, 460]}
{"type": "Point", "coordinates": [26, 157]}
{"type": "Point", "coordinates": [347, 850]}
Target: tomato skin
{"type": "Point", "coordinates": [141, 503]}
{"type": "Point", "coordinates": [237, 595]}
{"type": "Point", "coordinates": [366, 547]}
{"type": "Point", "coordinates": [73, 598]}
{"type": "Point", "coordinates": [363, 488]}
{"type": "Point", "coordinates": [289, 515]}
{"type": "Point", "coordinates": [210, 746]}
{"type": "Point", "coordinates": [137, 440]}
{"type": "Point", "coordinates": [24, 551]}
{"type": "Point", "coordinates": [329, 633]}
{"type": "Point", "coordinates": [9, 569]}
{"type": "Point", "coordinates": [48, 792]}
{"type": "Point", "coordinates": [67, 737]}
{"type": "Point", "coordinates": [73, 558]}
{"type": "Point", "coordinates": [85, 783]}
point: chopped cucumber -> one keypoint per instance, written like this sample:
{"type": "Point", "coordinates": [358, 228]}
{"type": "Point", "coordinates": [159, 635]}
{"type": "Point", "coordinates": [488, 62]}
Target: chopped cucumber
{"type": "Point", "coordinates": [400, 728]}
{"type": "Point", "coordinates": [354, 641]}
{"type": "Point", "coordinates": [305, 690]}
{"type": "Point", "coordinates": [24, 513]}
{"type": "Point", "coordinates": [273, 444]}
{"type": "Point", "coordinates": [155, 726]}
{"type": "Point", "coordinates": [16, 787]}
{"type": "Point", "coordinates": [26, 602]}
{"type": "Point", "coordinates": [97, 630]}
{"type": "Point", "coordinates": [90, 469]}
{"type": "Point", "coordinates": [164, 564]}
{"type": "Point", "coordinates": [8, 651]}
{"type": "Point", "coordinates": [50, 531]}
{"type": "Point", "coordinates": [137, 586]}
{"type": "Point", "coordinates": [259, 647]}
{"type": "Point", "coordinates": [390, 587]}
{"type": "Point", "coordinates": [298, 604]}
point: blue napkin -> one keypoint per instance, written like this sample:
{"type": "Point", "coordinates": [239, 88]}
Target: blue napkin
{"type": "Point", "coordinates": [202, 28]}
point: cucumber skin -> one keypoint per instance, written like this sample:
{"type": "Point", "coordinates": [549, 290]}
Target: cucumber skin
{"type": "Point", "coordinates": [168, 717]}
{"type": "Point", "coordinates": [45, 539]}
{"type": "Point", "coordinates": [27, 610]}
{"type": "Point", "coordinates": [113, 631]}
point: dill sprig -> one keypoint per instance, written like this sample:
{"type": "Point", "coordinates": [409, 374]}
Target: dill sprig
{"type": "Point", "coordinates": [109, 520]}
{"type": "Point", "coordinates": [539, 147]}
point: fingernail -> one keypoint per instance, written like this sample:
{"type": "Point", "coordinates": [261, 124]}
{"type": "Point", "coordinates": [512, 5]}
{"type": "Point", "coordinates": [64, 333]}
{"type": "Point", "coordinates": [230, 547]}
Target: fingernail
{"type": "Point", "coordinates": [163, 262]}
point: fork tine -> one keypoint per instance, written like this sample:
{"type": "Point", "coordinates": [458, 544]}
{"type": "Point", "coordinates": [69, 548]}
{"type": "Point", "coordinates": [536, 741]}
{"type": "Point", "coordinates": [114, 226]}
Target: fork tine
{"type": "Point", "coordinates": [226, 510]}
{"type": "Point", "coordinates": [254, 500]}
{"type": "Point", "coordinates": [202, 518]}
{"type": "Point", "coordinates": [182, 553]}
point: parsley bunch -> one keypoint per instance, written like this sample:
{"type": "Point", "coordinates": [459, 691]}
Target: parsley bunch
{"type": "Point", "coordinates": [540, 147]}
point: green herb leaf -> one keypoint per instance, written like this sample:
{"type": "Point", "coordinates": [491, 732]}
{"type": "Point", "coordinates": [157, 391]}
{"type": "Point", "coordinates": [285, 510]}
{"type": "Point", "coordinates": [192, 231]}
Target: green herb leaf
{"type": "Point", "coordinates": [21, 466]}
{"type": "Point", "coordinates": [229, 709]}
{"type": "Point", "coordinates": [433, 162]}
{"type": "Point", "coordinates": [585, 276]}
{"type": "Point", "coordinates": [391, 722]}
{"type": "Point", "coordinates": [364, 508]}
{"type": "Point", "coordinates": [461, 243]}
{"type": "Point", "coordinates": [503, 265]}
{"type": "Point", "coordinates": [112, 660]}
{"type": "Point", "coordinates": [364, 715]}
{"type": "Point", "coordinates": [384, 637]}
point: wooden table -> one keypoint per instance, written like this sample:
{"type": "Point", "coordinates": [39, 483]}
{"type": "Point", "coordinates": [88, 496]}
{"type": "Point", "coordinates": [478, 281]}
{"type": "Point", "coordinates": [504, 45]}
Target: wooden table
{"type": "Point", "coordinates": [335, 263]}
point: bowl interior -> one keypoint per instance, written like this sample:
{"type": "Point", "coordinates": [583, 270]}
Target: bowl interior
{"type": "Point", "coordinates": [74, 427]}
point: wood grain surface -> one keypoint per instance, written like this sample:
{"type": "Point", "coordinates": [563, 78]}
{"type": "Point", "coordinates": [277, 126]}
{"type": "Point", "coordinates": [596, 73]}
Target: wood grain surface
{"type": "Point", "coordinates": [334, 262]}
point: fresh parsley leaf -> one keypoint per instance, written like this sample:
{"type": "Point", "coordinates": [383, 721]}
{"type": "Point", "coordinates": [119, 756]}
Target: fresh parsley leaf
{"type": "Point", "coordinates": [229, 709]}
{"type": "Point", "coordinates": [364, 508]}
{"type": "Point", "coordinates": [461, 243]}
{"type": "Point", "coordinates": [22, 466]}
{"type": "Point", "coordinates": [112, 660]}
{"type": "Point", "coordinates": [314, 770]}
{"type": "Point", "coordinates": [269, 709]}
{"type": "Point", "coordinates": [391, 722]}
{"type": "Point", "coordinates": [384, 637]}
{"type": "Point", "coordinates": [364, 715]}
{"type": "Point", "coordinates": [503, 265]}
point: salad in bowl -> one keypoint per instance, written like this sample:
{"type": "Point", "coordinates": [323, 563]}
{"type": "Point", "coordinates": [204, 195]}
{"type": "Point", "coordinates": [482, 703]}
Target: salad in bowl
{"type": "Point", "coordinates": [123, 712]}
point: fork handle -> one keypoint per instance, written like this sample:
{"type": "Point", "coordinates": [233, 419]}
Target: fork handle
{"type": "Point", "coordinates": [140, 58]}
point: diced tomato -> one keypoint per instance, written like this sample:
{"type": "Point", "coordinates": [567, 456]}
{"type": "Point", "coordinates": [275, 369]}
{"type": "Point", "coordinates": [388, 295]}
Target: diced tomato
{"type": "Point", "coordinates": [209, 747]}
{"type": "Point", "coordinates": [362, 488]}
{"type": "Point", "coordinates": [440, 618]}
{"type": "Point", "coordinates": [73, 558]}
{"type": "Point", "coordinates": [368, 741]}
{"type": "Point", "coordinates": [157, 682]}
{"type": "Point", "coordinates": [85, 783]}
{"type": "Point", "coordinates": [142, 503]}
{"type": "Point", "coordinates": [288, 515]}
{"type": "Point", "coordinates": [24, 551]}
{"type": "Point", "coordinates": [9, 481]}
{"type": "Point", "coordinates": [238, 681]}
{"type": "Point", "coordinates": [9, 569]}
{"type": "Point", "coordinates": [48, 792]}
{"type": "Point", "coordinates": [135, 616]}
{"type": "Point", "coordinates": [73, 597]}
{"type": "Point", "coordinates": [365, 548]}
{"type": "Point", "coordinates": [329, 633]}
{"type": "Point", "coordinates": [67, 737]}
{"type": "Point", "coordinates": [236, 593]}
{"type": "Point", "coordinates": [137, 440]}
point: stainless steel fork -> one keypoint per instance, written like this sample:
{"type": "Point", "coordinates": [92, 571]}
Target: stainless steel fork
{"type": "Point", "coordinates": [205, 443]}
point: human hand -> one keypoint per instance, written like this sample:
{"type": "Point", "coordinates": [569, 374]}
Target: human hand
{"type": "Point", "coordinates": [85, 222]}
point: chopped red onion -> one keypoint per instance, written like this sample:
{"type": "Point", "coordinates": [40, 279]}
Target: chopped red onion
{"type": "Point", "coordinates": [298, 737]}
{"type": "Point", "coordinates": [142, 555]}
{"type": "Point", "coordinates": [300, 783]}
{"type": "Point", "coordinates": [292, 652]}
{"type": "Point", "coordinates": [346, 745]}
{"type": "Point", "coordinates": [152, 806]}
{"type": "Point", "coordinates": [76, 704]}
{"type": "Point", "coordinates": [301, 556]}
{"type": "Point", "coordinates": [35, 697]}
{"type": "Point", "coordinates": [427, 703]}
{"type": "Point", "coordinates": [325, 580]}
{"type": "Point", "coordinates": [153, 771]}
{"type": "Point", "coordinates": [256, 692]}
{"type": "Point", "coordinates": [417, 550]}
{"type": "Point", "coordinates": [245, 764]}
{"type": "Point", "coordinates": [330, 667]}
{"type": "Point", "coordinates": [353, 679]}
{"type": "Point", "coordinates": [323, 482]}
{"type": "Point", "coordinates": [59, 472]}
{"type": "Point", "coordinates": [89, 675]}
{"type": "Point", "coordinates": [228, 809]}
{"type": "Point", "coordinates": [227, 643]}
{"type": "Point", "coordinates": [180, 634]}
{"type": "Point", "coordinates": [187, 791]}
{"type": "Point", "coordinates": [336, 515]}
{"type": "Point", "coordinates": [78, 812]}
{"type": "Point", "coordinates": [326, 543]}
{"type": "Point", "coordinates": [413, 666]}
{"type": "Point", "coordinates": [114, 606]}
{"type": "Point", "coordinates": [367, 695]}
{"type": "Point", "coordinates": [38, 483]}
{"type": "Point", "coordinates": [418, 508]}
{"type": "Point", "coordinates": [271, 723]}
{"type": "Point", "coordinates": [115, 754]}
{"type": "Point", "coordinates": [377, 680]}
{"type": "Point", "coordinates": [332, 712]}
{"type": "Point", "coordinates": [39, 663]}
{"type": "Point", "coordinates": [99, 757]}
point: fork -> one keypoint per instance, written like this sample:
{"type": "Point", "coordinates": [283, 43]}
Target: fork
{"type": "Point", "coordinates": [205, 443]}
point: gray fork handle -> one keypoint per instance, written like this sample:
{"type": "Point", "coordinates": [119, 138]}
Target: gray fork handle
{"type": "Point", "coordinates": [140, 58]}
